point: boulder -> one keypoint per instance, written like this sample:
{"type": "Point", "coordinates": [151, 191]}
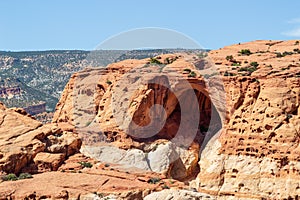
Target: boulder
{"type": "Point", "coordinates": [110, 154]}
{"type": "Point", "coordinates": [25, 143]}
{"type": "Point", "coordinates": [165, 158]}
{"type": "Point", "coordinates": [48, 161]}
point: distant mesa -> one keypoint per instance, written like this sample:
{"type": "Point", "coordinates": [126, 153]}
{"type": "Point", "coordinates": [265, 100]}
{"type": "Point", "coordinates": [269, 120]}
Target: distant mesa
{"type": "Point", "coordinates": [10, 92]}
{"type": "Point", "coordinates": [36, 109]}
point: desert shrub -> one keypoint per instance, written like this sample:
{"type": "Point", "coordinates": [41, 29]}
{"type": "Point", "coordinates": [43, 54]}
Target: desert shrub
{"type": "Point", "coordinates": [287, 53]}
{"type": "Point", "coordinates": [279, 55]}
{"type": "Point", "coordinates": [165, 187]}
{"type": "Point", "coordinates": [108, 82]}
{"type": "Point", "coordinates": [170, 60]}
{"type": "Point", "coordinates": [229, 58]}
{"type": "Point", "coordinates": [25, 176]}
{"type": "Point", "coordinates": [192, 74]}
{"type": "Point", "coordinates": [251, 68]}
{"type": "Point", "coordinates": [285, 68]}
{"type": "Point", "coordinates": [254, 64]}
{"type": "Point", "coordinates": [236, 64]}
{"type": "Point", "coordinates": [246, 52]}
{"type": "Point", "coordinates": [247, 69]}
{"type": "Point", "coordinates": [86, 164]}
{"type": "Point", "coordinates": [297, 50]}
{"type": "Point", "coordinates": [297, 42]}
{"type": "Point", "coordinates": [106, 165]}
{"type": "Point", "coordinates": [229, 74]}
{"type": "Point", "coordinates": [155, 61]}
{"type": "Point", "coordinates": [10, 177]}
{"type": "Point", "coordinates": [154, 180]}
{"type": "Point", "coordinates": [243, 69]}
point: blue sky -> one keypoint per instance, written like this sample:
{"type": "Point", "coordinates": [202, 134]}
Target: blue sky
{"type": "Point", "coordinates": [74, 24]}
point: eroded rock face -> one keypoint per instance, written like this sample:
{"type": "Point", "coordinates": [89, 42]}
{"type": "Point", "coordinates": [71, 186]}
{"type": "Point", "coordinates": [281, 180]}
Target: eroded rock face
{"type": "Point", "coordinates": [98, 182]}
{"type": "Point", "coordinates": [27, 145]}
{"type": "Point", "coordinates": [164, 158]}
{"type": "Point", "coordinates": [117, 109]}
{"type": "Point", "coordinates": [110, 154]}
{"type": "Point", "coordinates": [122, 104]}
{"type": "Point", "coordinates": [255, 155]}
{"type": "Point", "coordinates": [56, 185]}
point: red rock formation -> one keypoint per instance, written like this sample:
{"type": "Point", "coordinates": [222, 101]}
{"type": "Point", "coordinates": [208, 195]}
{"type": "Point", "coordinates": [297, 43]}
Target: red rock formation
{"type": "Point", "coordinates": [257, 153]}
{"type": "Point", "coordinates": [25, 144]}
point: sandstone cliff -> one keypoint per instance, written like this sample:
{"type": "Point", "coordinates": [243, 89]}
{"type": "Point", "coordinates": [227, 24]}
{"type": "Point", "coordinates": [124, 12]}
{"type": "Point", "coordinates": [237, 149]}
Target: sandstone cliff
{"type": "Point", "coordinates": [256, 152]}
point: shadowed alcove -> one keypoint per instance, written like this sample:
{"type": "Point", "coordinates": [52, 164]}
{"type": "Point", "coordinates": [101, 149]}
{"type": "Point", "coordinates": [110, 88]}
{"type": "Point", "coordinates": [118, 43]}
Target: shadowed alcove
{"type": "Point", "coordinates": [198, 111]}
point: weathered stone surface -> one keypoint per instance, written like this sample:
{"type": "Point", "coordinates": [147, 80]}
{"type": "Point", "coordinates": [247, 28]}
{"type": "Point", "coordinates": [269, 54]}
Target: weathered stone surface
{"type": "Point", "coordinates": [177, 194]}
{"type": "Point", "coordinates": [161, 158]}
{"type": "Point", "coordinates": [132, 195]}
{"type": "Point", "coordinates": [165, 158]}
{"type": "Point", "coordinates": [25, 142]}
{"type": "Point", "coordinates": [88, 183]}
{"type": "Point", "coordinates": [110, 154]}
{"type": "Point", "coordinates": [257, 154]}
{"type": "Point", "coordinates": [48, 162]}
{"type": "Point", "coordinates": [176, 162]}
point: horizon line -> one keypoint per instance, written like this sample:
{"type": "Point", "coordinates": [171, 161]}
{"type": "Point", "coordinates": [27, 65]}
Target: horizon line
{"type": "Point", "coordinates": [142, 49]}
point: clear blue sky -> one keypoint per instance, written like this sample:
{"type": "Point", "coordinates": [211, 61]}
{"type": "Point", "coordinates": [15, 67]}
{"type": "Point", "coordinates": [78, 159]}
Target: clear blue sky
{"type": "Point", "coordinates": [72, 24]}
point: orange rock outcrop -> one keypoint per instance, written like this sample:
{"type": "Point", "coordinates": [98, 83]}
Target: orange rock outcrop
{"type": "Point", "coordinates": [256, 153]}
